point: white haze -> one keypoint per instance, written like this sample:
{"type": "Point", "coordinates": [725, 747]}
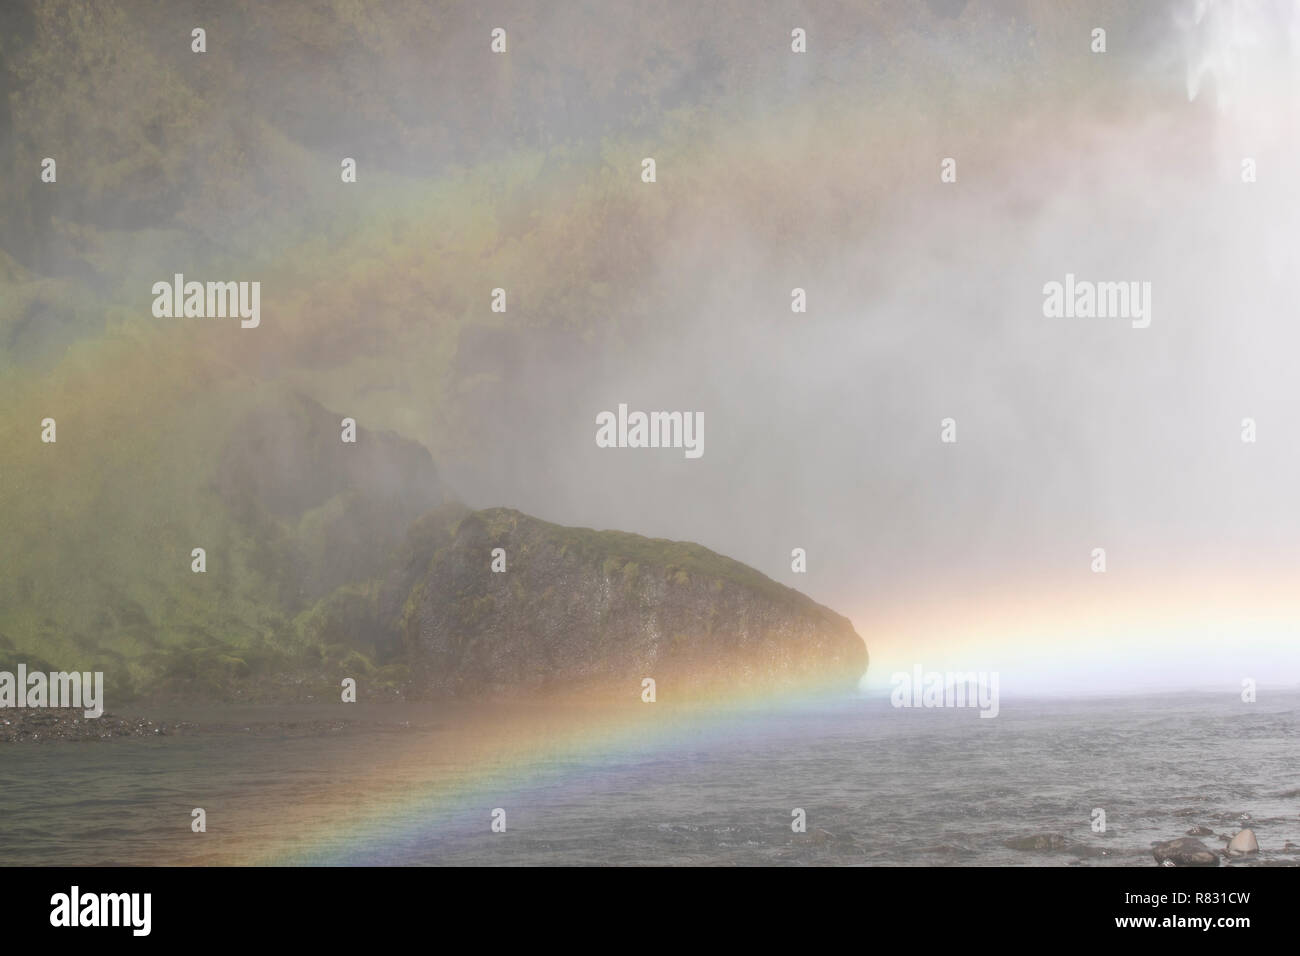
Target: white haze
{"type": "Point", "coordinates": [823, 430]}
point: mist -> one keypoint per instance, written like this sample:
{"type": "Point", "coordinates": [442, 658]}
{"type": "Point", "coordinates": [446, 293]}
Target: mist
{"type": "Point", "coordinates": [925, 301]}
{"type": "Point", "coordinates": [821, 171]}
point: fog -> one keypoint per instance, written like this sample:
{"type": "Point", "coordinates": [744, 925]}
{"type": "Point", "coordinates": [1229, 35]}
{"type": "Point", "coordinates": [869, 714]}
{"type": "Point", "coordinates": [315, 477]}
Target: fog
{"type": "Point", "coordinates": [818, 171]}
{"type": "Point", "coordinates": [823, 430]}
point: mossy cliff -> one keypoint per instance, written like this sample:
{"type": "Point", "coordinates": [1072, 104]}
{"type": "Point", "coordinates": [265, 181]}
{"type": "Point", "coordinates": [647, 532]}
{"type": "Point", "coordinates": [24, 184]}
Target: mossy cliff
{"type": "Point", "coordinates": [577, 607]}
{"type": "Point", "coordinates": [327, 559]}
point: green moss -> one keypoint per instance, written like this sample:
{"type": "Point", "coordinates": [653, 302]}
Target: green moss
{"type": "Point", "coordinates": [354, 664]}
{"type": "Point", "coordinates": [235, 666]}
{"type": "Point", "coordinates": [632, 554]}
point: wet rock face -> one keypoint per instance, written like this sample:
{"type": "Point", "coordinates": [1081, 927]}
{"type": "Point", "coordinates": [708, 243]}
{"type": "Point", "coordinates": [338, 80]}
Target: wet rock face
{"type": "Point", "coordinates": [1185, 851]}
{"type": "Point", "coordinates": [576, 606]}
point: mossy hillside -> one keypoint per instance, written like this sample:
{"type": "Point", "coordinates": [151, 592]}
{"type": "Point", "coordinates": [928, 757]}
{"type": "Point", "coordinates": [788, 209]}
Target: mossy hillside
{"type": "Point", "coordinates": [108, 585]}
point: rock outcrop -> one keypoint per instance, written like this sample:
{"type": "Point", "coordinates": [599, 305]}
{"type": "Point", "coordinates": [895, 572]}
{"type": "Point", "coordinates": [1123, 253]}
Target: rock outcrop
{"type": "Point", "coordinates": [577, 607]}
{"type": "Point", "coordinates": [1243, 844]}
{"type": "Point", "coordinates": [1185, 851]}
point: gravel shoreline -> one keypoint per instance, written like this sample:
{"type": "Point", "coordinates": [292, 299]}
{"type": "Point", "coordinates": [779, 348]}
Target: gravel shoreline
{"type": "Point", "coordinates": [31, 725]}
{"type": "Point", "coordinates": [49, 725]}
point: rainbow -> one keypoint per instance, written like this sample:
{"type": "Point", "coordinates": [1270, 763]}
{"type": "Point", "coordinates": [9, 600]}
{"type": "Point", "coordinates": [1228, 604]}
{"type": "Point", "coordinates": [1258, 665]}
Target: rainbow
{"type": "Point", "coordinates": [422, 784]}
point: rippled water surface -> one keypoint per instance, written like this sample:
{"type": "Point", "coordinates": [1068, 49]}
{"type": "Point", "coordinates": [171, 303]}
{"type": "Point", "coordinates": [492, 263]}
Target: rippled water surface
{"type": "Point", "coordinates": [878, 785]}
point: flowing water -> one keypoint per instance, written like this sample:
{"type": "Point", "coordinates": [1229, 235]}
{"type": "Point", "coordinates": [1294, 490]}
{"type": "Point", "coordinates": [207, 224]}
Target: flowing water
{"type": "Point", "coordinates": [878, 785]}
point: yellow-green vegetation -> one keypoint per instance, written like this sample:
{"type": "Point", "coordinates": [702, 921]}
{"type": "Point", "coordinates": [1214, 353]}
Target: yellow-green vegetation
{"type": "Point", "coordinates": [101, 572]}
